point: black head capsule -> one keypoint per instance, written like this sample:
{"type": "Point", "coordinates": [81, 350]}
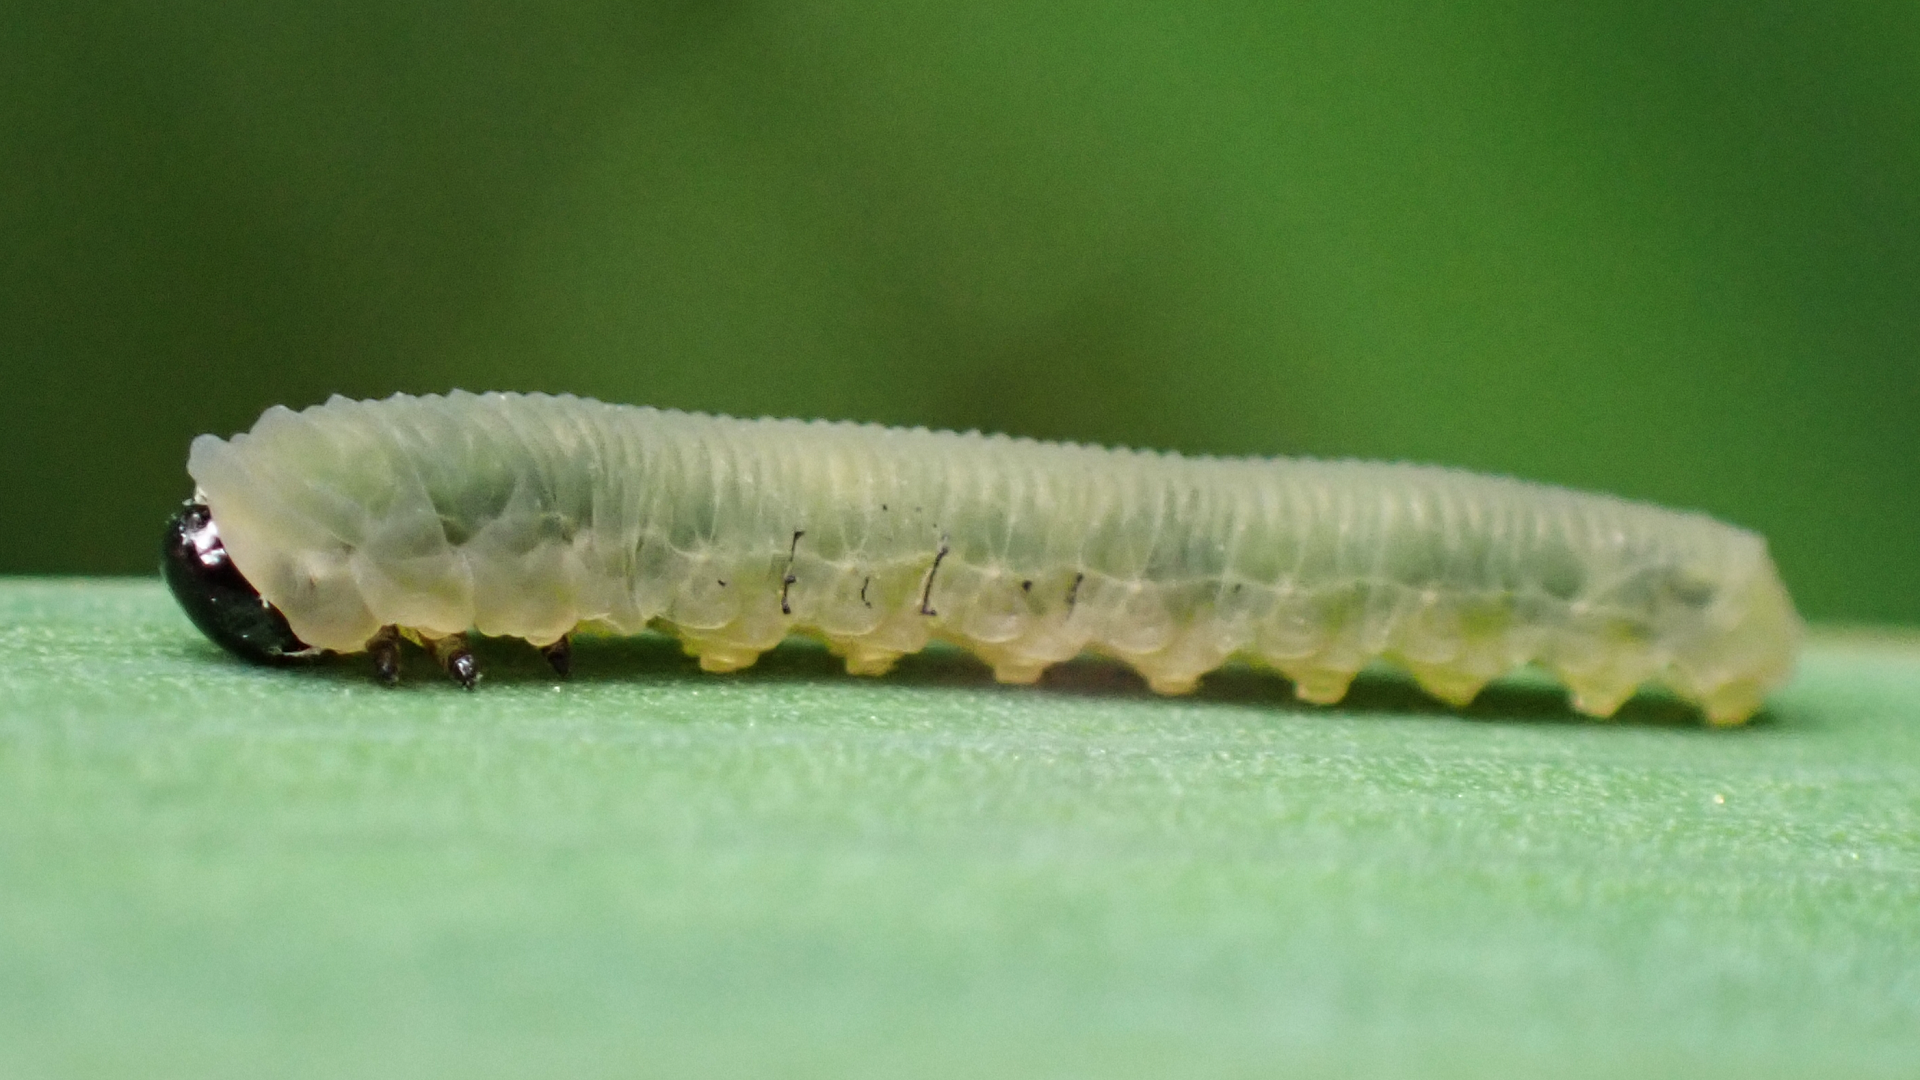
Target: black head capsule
{"type": "Point", "coordinates": [223, 604]}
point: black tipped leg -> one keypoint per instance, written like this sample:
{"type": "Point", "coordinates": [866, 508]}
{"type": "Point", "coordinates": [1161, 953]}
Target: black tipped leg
{"type": "Point", "coordinates": [560, 656]}
{"type": "Point", "coordinates": [384, 647]}
{"type": "Point", "coordinates": [453, 654]}
{"type": "Point", "coordinates": [464, 669]}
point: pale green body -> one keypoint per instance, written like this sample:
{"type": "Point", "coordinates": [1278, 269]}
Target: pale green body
{"type": "Point", "coordinates": [531, 516]}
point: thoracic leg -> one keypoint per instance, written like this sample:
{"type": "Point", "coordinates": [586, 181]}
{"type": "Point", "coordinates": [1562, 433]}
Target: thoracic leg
{"type": "Point", "coordinates": [456, 658]}
{"type": "Point", "coordinates": [384, 647]}
{"type": "Point", "coordinates": [560, 655]}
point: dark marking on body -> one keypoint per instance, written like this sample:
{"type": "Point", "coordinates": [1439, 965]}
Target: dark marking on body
{"type": "Point", "coordinates": [1073, 590]}
{"type": "Point", "coordinates": [926, 593]}
{"type": "Point", "coordinates": [787, 579]}
{"type": "Point", "coordinates": [863, 590]}
{"type": "Point", "coordinates": [1027, 585]}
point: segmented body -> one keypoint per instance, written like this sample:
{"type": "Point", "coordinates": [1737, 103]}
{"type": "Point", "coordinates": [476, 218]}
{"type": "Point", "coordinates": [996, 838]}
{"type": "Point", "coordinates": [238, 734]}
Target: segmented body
{"type": "Point", "coordinates": [533, 516]}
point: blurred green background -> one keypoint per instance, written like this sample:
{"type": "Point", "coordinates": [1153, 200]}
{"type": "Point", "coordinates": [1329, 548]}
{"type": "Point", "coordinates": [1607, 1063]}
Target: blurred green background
{"type": "Point", "coordinates": [1668, 251]}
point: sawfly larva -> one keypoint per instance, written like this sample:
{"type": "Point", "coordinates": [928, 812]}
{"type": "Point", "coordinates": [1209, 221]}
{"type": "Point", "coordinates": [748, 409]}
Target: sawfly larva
{"type": "Point", "coordinates": [353, 525]}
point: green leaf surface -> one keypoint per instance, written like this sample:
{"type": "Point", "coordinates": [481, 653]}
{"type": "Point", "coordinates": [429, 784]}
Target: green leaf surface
{"type": "Point", "coordinates": [213, 870]}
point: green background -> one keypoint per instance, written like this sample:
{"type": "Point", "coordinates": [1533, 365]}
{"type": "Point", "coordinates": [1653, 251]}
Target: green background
{"type": "Point", "coordinates": [1671, 251]}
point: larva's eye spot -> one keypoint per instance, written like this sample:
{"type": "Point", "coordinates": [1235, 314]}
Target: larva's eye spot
{"type": "Point", "coordinates": [222, 603]}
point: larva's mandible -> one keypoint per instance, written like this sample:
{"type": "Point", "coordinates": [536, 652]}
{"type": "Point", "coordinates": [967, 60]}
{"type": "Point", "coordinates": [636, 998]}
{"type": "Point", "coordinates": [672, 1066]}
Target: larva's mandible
{"type": "Point", "coordinates": [354, 524]}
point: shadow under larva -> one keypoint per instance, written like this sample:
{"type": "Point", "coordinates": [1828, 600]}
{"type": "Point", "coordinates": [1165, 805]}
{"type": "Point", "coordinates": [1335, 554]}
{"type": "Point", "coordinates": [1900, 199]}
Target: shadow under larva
{"type": "Point", "coordinates": [362, 526]}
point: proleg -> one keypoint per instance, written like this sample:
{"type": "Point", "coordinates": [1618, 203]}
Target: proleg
{"type": "Point", "coordinates": [354, 525]}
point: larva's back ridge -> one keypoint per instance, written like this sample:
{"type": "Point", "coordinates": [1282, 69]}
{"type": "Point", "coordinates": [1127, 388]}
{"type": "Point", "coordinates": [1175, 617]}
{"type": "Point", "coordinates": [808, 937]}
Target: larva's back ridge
{"type": "Point", "coordinates": [529, 516]}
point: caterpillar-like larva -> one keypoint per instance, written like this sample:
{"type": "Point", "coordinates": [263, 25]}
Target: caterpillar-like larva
{"type": "Point", "coordinates": [353, 524]}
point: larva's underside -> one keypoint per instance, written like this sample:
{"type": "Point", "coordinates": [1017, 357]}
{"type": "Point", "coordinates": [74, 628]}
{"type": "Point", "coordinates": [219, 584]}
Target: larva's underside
{"type": "Point", "coordinates": [534, 516]}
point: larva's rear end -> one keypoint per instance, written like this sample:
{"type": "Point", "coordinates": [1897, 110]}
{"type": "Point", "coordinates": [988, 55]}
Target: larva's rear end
{"type": "Point", "coordinates": [1704, 612]}
{"type": "Point", "coordinates": [1606, 593]}
{"type": "Point", "coordinates": [1743, 644]}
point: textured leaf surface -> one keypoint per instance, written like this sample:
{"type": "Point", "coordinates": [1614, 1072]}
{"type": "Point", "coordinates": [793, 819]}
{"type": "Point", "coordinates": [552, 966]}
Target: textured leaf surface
{"type": "Point", "coordinates": [211, 870]}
